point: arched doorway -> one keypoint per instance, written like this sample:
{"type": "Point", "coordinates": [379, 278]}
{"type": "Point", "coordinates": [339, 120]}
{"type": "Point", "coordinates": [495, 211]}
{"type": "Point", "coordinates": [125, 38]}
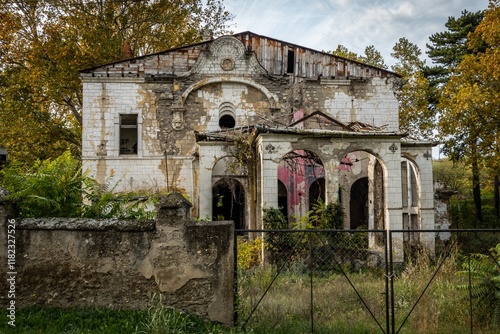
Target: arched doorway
{"type": "Point", "coordinates": [228, 202]}
{"type": "Point", "coordinates": [410, 180]}
{"type": "Point", "coordinates": [317, 192]}
{"type": "Point", "coordinates": [303, 177]}
{"type": "Point", "coordinates": [283, 198]}
{"type": "Point", "coordinates": [361, 178]}
{"type": "Point", "coordinates": [358, 204]}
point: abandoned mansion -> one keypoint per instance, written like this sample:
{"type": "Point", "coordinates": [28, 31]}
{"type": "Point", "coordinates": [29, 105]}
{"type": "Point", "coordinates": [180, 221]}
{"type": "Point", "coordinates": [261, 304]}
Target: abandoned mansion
{"type": "Point", "coordinates": [245, 122]}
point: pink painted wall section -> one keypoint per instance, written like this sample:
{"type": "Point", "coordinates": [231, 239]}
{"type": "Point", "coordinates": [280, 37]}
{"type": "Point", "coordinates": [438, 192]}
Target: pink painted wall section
{"type": "Point", "coordinates": [298, 114]}
{"type": "Point", "coordinates": [298, 182]}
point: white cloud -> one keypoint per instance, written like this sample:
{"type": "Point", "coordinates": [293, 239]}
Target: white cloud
{"type": "Point", "coordinates": [322, 25]}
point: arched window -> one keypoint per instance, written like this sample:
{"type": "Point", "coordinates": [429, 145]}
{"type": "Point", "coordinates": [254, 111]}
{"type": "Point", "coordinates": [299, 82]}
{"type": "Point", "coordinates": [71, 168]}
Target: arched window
{"type": "Point", "coordinates": [227, 119]}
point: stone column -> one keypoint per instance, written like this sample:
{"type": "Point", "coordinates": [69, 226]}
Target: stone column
{"type": "Point", "coordinates": [393, 197]}
{"type": "Point", "coordinates": [424, 161]}
{"type": "Point", "coordinates": [269, 176]}
{"type": "Point", "coordinates": [205, 181]}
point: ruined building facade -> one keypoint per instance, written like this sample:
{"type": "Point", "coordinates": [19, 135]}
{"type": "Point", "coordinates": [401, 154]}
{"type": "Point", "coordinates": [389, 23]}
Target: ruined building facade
{"type": "Point", "coordinates": [246, 122]}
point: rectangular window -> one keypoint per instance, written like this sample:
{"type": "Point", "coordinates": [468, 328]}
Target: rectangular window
{"type": "Point", "coordinates": [128, 134]}
{"type": "Point", "coordinates": [291, 62]}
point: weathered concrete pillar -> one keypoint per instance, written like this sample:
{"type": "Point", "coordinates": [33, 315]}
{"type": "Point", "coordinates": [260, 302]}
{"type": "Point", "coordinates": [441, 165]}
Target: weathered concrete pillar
{"type": "Point", "coordinates": [193, 262]}
{"type": "Point", "coordinates": [393, 197]}
{"type": "Point", "coordinates": [424, 162]}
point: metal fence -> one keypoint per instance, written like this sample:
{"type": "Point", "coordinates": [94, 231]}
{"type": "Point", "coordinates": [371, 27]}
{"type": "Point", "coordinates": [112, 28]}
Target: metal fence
{"type": "Point", "coordinates": [365, 281]}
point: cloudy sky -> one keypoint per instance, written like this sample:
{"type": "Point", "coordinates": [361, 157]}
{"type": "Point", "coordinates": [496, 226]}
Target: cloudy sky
{"type": "Point", "coordinates": [324, 24]}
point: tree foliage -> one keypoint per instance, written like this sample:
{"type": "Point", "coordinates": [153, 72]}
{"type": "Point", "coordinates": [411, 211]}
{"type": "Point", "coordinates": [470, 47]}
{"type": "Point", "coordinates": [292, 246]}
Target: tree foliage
{"type": "Point", "coordinates": [44, 43]}
{"type": "Point", "coordinates": [344, 52]}
{"type": "Point", "coordinates": [371, 55]}
{"type": "Point", "coordinates": [448, 47]}
{"type": "Point", "coordinates": [452, 176]}
{"type": "Point", "coordinates": [458, 122]}
{"type": "Point", "coordinates": [415, 116]}
{"type": "Point", "coordinates": [470, 100]}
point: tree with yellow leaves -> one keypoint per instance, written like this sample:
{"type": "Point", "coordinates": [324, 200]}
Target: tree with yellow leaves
{"type": "Point", "coordinates": [470, 102]}
{"type": "Point", "coordinates": [44, 43]}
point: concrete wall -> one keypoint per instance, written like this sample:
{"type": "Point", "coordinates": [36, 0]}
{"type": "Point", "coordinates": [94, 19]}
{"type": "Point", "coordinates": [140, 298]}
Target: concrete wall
{"type": "Point", "coordinates": [121, 264]}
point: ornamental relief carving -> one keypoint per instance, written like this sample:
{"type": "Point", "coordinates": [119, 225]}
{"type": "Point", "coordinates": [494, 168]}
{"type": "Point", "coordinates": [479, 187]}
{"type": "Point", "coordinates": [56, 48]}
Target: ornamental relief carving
{"type": "Point", "coordinates": [227, 47]}
{"type": "Point", "coordinates": [178, 118]}
{"type": "Point", "coordinates": [227, 64]}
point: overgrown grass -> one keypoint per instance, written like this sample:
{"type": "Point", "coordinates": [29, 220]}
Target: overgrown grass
{"type": "Point", "coordinates": [158, 320]}
{"type": "Point", "coordinates": [51, 320]}
{"type": "Point", "coordinates": [426, 300]}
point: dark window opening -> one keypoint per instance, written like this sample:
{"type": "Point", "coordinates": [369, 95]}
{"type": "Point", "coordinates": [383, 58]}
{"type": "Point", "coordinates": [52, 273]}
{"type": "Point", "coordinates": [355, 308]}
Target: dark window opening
{"type": "Point", "coordinates": [283, 199]}
{"type": "Point", "coordinates": [128, 134]}
{"type": "Point", "coordinates": [316, 193]}
{"type": "Point", "coordinates": [229, 203]}
{"type": "Point", "coordinates": [227, 122]}
{"type": "Point", "coordinates": [290, 68]}
{"type": "Point", "coordinates": [359, 204]}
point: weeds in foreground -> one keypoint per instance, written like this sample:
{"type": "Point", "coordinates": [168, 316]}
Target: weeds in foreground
{"type": "Point", "coordinates": [157, 320]}
{"type": "Point", "coordinates": [426, 298]}
{"type": "Point", "coordinates": [163, 320]}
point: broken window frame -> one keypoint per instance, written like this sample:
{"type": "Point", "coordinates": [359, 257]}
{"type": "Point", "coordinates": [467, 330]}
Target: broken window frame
{"type": "Point", "coordinates": [132, 122]}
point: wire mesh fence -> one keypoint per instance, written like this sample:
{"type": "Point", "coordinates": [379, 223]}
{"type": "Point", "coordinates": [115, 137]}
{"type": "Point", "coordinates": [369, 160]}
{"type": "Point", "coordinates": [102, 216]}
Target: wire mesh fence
{"type": "Point", "coordinates": [319, 281]}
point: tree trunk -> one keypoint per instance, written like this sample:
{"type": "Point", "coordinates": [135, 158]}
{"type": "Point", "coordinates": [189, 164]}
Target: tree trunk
{"type": "Point", "coordinates": [476, 190]}
{"type": "Point", "coordinates": [496, 200]}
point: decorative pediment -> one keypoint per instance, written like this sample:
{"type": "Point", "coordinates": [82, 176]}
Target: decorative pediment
{"type": "Point", "coordinates": [227, 56]}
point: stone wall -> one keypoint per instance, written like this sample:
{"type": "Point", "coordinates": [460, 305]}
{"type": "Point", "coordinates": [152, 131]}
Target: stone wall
{"type": "Point", "coordinates": [121, 264]}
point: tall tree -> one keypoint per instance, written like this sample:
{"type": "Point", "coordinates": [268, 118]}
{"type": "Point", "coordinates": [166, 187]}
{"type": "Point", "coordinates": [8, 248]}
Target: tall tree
{"type": "Point", "coordinates": [415, 116]}
{"type": "Point", "coordinates": [43, 44]}
{"type": "Point", "coordinates": [470, 100]}
{"type": "Point", "coordinates": [373, 57]}
{"type": "Point", "coordinates": [448, 47]}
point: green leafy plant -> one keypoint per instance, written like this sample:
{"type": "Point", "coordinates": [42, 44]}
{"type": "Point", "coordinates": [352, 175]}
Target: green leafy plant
{"type": "Point", "coordinates": [277, 243]}
{"type": "Point", "coordinates": [104, 202]}
{"type": "Point", "coordinates": [57, 187]}
{"type": "Point", "coordinates": [50, 188]}
{"type": "Point", "coordinates": [326, 216]}
{"type": "Point", "coordinates": [484, 270]}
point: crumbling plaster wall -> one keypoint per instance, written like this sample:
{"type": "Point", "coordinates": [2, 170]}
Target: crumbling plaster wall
{"type": "Point", "coordinates": [172, 107]}
{"type": "Point", "coordinates": [121, 264]}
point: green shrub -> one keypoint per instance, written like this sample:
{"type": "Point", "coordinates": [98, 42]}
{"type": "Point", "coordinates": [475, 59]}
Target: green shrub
{"type": "Point", "coordinates": [50, 188]}
{"type": "Point", "coordinates": [484, 270]}
{"type": "Point", "coordinates": [277, 243]}
{"type": "Point", "coordinates": [56, 188]}
{"type": "Point", "coordinates": [103, 202]}
{"type": "Point", "coordinates": [327, 216]}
